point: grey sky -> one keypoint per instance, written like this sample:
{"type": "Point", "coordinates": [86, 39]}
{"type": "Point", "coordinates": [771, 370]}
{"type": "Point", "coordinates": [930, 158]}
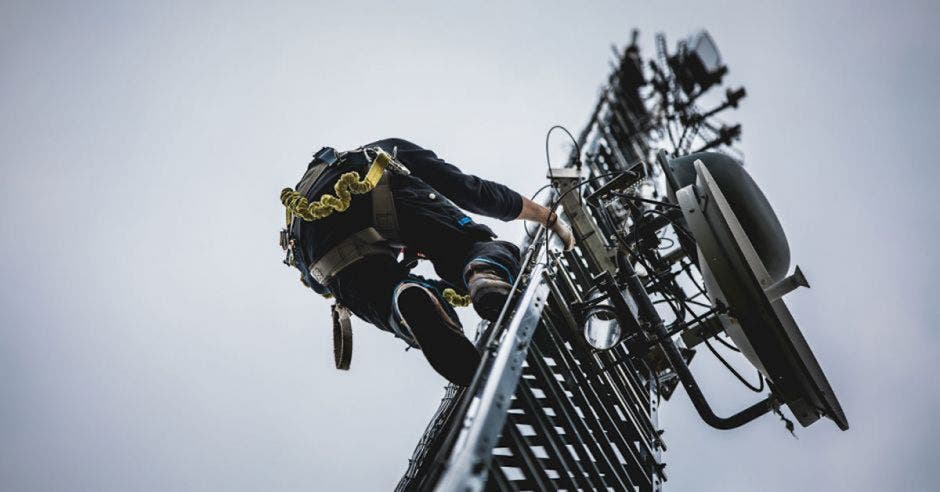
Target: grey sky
{"type": "Point", "coordinates": [150, 339]}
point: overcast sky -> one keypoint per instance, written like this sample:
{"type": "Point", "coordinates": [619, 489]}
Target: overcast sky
{"type": "Point", "coordinates": [151, 339]}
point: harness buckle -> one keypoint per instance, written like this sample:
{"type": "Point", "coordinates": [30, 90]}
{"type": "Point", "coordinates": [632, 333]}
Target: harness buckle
{"type": "Point", "coordinates": [397, 167]}
{"type": "Point", "coordinates": [287, 244]}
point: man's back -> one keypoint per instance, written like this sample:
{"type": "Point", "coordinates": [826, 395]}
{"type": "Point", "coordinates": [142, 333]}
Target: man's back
{"type": "Point", "coordinates": [468, 192]}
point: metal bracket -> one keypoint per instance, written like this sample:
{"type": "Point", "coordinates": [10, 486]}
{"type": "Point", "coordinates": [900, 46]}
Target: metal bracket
{"type": "Point", "coordinates": [590, 240]}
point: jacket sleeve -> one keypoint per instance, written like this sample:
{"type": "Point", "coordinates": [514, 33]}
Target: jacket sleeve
{"type": "Point", "coordinates": [469, 192]}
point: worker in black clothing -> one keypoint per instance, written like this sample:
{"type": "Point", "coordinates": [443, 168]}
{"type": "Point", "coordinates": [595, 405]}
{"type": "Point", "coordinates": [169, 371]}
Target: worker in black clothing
{"type": "Point", "coordinates": [349, 247]}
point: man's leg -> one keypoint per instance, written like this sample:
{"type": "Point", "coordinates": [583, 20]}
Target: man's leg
{"type": "Point", "coordinates": [419, 309]}
{"type": "Point", "coordinates": [489, 272]}
{"type": "Point", "coordinates": [366, 288]}
{"type": "Point", "coordinates": [383, 293]}
{"type": "Point", "coordinates": [483, 268]}
{"type": "Point", "coordinates": [462, 251]}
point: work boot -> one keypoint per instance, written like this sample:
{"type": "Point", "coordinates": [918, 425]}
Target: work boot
{"type": "Point", "coordinates": [488, 288]}
{"type": "Point", "coordinates": [438, 334]}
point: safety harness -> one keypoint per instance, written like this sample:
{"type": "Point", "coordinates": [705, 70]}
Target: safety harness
{"type": "Point", "coordinates": [382, 238]}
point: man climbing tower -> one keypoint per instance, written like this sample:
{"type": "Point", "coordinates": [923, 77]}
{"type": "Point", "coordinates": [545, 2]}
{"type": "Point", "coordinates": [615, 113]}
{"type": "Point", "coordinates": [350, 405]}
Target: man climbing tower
{"type": "Point", "coordinates": [353, 214]}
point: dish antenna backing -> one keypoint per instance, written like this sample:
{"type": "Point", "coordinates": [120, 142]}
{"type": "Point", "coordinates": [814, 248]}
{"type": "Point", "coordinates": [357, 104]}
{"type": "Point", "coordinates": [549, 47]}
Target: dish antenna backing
{"type": "Point", "coordinates": [757, 317]}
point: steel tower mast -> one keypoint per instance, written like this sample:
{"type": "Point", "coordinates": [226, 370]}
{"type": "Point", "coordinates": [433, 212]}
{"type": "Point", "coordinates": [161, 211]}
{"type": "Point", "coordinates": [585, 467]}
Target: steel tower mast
{"type": "Point", "coordinates": [592, 341]}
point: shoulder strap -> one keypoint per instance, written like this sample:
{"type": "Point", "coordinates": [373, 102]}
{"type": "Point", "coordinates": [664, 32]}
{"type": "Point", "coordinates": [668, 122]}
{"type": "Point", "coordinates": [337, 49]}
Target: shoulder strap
{"type": "Point", "coordinates": [322, 160]}
{"type": "Point", "coordinates": [384, 216]}
{"type": "Point", "coordinates": [310, 177]}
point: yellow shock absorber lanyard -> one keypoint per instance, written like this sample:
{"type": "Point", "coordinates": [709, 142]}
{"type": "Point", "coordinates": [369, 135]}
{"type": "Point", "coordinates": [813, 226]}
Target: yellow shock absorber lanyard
{"type": "Point", "coordinates": [455, 299]}
{"type": "Point", "coordinates": [349, 184]}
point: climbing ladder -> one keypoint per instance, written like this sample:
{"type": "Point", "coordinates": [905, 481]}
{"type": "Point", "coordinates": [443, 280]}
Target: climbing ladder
{"type": "Point", "coordinates": [545, 411]}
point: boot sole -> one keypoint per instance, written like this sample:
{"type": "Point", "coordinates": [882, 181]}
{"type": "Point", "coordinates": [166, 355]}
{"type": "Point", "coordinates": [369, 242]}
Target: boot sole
{"type": "Point", "coordinates": [489, 305]}
{"type": "Point", "coordinates": [450, 353]}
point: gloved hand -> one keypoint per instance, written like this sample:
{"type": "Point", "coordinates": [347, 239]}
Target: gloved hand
{"type": "Point", "coordinates": [560, 229]}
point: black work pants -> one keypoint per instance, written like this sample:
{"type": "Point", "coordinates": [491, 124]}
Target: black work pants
{"type": "Point", "coordinates": [436, 229]}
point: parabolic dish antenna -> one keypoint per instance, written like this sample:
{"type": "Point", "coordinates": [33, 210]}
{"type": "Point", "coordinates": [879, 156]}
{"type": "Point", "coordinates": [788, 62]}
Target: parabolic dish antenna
{"type": "Point", "coordinates": [758, 320]}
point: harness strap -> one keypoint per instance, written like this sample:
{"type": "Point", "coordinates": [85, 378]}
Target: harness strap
{"type": "Point", "coordinates": [367, 242]}
{"type": "Point", "coordinates": [322, 160]}
{"type": "Point", "coordinates": [384, 216]}
{"type": "Point", "coordinates": [310, 177]}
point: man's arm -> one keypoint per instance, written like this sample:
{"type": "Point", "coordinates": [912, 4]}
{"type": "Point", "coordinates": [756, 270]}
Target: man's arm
{"type": "Point", "coordinates": [534, 212]}
{"type": "Point", "coordinates": [469, 192]}
{"type": "Point", "coordinates": [475, 194]}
